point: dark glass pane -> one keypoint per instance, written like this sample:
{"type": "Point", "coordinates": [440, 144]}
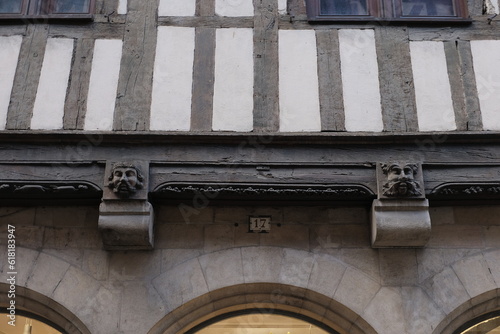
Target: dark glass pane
{"type": "Point", "coordinates": [10, 6]}
{"type": "Point", "coordinates": [344, 7]}
{"type": "Point", "coordinates": [428, 8]}
{"type": "Point", "coordinates": [71, 6]}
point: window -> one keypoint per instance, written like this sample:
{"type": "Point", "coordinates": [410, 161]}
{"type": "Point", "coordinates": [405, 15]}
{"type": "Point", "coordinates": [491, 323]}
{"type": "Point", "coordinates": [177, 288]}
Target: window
{"type": "Point", "coordinates": [27, 9]}
{"type": "Point", "coordinates": [387, 10]}
{"type": "Point", "coordinates": [486, 324]}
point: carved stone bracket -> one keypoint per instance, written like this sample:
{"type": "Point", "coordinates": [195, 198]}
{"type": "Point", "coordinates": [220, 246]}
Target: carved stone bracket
{"type": "Point", "coordinates": [400, 215]}
{"type": "Point", "coordinates": [125, 216]}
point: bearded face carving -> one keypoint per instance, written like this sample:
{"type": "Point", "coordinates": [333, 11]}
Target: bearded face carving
{"type": "Point", "coordinates": [400, 180]}
{"type": "Point", "coordinates": [125, 180]}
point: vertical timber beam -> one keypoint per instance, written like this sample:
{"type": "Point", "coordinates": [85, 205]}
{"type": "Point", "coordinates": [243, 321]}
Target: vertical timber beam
{"type": "Point", "coordinates": [136, 72]}
{"type": "Point", "coordinates": [205, 7]}
{"type": "Point", "coordinates": [27, 77]}
{"type": "Point", "coordinates": [76, 102]}
{"type": "Point", "coordinates": [106, 7]}
{"type": "Point", "coordinates": [266, 76]}
{"type": "Point", "coordinates": [203, 80]}
{"type": "Point", "coordinates": [463, 85]}
{"type": "Point", "coordinates": [330, 81]}
{"type": "Point", "coordinates": [397, 91]}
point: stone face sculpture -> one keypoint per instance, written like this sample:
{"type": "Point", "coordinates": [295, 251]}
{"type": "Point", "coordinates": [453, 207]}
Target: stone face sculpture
{"type": "Point", "coordinates": [400, 215]}
{"type": "Point", "coordinates": [400, 180]}
{"type": "Point", "coordinates": [126, 218]}
{"type": "Point", "coordinates": [125, 179]}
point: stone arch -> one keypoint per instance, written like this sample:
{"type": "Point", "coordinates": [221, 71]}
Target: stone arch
{"type": "Point", "coordinates": [46, 279]}
{"type": "Point", "coordinates": [485, 303]}
{"type": "Point", "coordinates": [264, 297]}
{"type": "Point", "coordinates": [298, 281]}
{"type": "Point", "coordinates": [44, 307]}
{"type": "Point", "coordinates": [467, 289]}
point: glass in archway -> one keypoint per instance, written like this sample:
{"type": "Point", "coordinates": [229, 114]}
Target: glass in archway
{"type": "Point", "coordinates": [487, 326]}
{"type": "Point", "coordinates": [25, 325]}
{"type": "Point", "coordinates": [262, 323]}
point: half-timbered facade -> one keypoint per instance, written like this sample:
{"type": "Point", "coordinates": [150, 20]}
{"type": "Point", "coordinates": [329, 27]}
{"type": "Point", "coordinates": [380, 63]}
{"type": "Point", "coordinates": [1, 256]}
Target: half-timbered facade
{"type": "Point", "coordinates": [167, 165]}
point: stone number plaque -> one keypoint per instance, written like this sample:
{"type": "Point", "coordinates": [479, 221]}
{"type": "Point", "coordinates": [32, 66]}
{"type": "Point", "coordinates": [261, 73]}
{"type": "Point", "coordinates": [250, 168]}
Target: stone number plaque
{"type": "Point", "coordinates": [260, 224]}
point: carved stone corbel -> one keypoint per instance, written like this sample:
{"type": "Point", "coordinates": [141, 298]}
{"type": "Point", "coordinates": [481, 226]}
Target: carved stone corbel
{"type": "Point", "coordinates": [125, 215]}
{"type": "Point", "coordinates": [400, 214]}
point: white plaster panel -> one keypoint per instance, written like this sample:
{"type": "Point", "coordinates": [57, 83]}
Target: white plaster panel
{"type": "Point", "coordinates": [233, 87]}
{"type": "Point", "coordinates": [491, 6]}
{"type": "Point", "coordinates": [432, 87]}
{"type": "Point", "coordinates": [9, 54]}
{"type": "Point", "coordinates": [234, 7]}
{"type": "Point", "coordinates": [177, 8]}
{"type": "Point", "coordinates": [361, 87]}
{"type": "Point", "coordinates": [103, 84]}
{"type": "Point", "coordinates": [486, 57]}
{"type": "Point", "coordinates": [173, 79]}
{"type": "Point", "coordinates": [48, 111]}
{"type": "Point", "coordinates": [122, 7]}
{"type": "Point", "coordinates": [298, 77]}
{"type": "Point", "coordinates": [282, 6]}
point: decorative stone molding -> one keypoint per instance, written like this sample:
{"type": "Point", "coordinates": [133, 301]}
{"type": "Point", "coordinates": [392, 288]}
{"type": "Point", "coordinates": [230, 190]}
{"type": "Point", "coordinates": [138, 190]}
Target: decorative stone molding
{"type": "Point", "coordinates": [472, 191]}
{"type": "Point", "coordinates": [125, 216]}
{"type": "Point", "coordinates": [264, 192]}
{"type": "Point", "coordinates": [50, 192]}
{"type": "Point", "coordinates": [400, 215]}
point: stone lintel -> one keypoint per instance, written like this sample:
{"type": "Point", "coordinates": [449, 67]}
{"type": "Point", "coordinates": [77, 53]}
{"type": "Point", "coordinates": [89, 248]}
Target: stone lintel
{"type": "Point", "coordinates": [400, 223]}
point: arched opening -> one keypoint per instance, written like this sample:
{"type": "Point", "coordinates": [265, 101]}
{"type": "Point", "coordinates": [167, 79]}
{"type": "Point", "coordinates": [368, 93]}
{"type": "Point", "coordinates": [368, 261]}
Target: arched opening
{"type": "Point", "coordinates": [486, 324]}
{"type": "Point", "coordinates": [480, 315]}
{"type": "Point", "coordinates": [26, 322]}
{"type": "Point", "coordinates": [254, 321]}
{"type": "Point", "coordinates": [40, 308]}
{"type": "Point", "coordinates": [263, 298]}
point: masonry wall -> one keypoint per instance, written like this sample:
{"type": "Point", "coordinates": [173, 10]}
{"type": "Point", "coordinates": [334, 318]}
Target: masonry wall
{"type": "Point", "coordinates": [322, 249]}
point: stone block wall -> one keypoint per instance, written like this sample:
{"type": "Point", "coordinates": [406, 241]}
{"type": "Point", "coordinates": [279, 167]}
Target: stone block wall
{"type": "Point", "coordinates": [322, 250]}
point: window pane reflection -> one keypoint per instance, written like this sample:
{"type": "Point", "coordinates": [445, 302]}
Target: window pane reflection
{"type": "Point", "coordinates": [72, 6]}
{"type": "Point", "coordinates": [10, 6]}
{"type": "Point", "coordinates": [428, 8]}
{"type": "Point", "coordinates": [490, 326]}
{"type": "Point", "coordinates": [261, 323]}
{"type": "Point", "coordinates": [344, 7]}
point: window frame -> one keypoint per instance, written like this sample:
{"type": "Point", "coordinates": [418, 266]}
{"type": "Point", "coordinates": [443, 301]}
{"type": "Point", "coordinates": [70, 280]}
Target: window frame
{"type": "Point", "coordinates": [386, 11]}
{"type": "Point", "coordinates": [42, 9]}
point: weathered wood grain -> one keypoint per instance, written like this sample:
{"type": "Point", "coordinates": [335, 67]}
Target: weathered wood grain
{"type": "Point", "coordinates": [472, 108]}
{"type": "Point", "coordinates": [93, 31]}
{"type": "Point", "coordinates": [205, 7]}
{"type": "Point", "coordinates": [396, 79]}
{"type": "Point", "coordinates": [330, 81]}
{"type": "Point", "coordinates": [136, 72]}
{"type": "Point", "coordinates": [456, 83]}
{"type": "Point", "coordinates": [27, 77]}
{"type": "Point", "coordinates": [203, 80]}
{"type": "Point", "coordinates": [207, 21]}
{"type": "Point", "coordinates": [76, 100]}
{"type": "Point", "coordinates": [266, 78]}
{"type": "Point", "coordinates": [106, 7]}
{"type": "Point", "coordinates": [480, 28]}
